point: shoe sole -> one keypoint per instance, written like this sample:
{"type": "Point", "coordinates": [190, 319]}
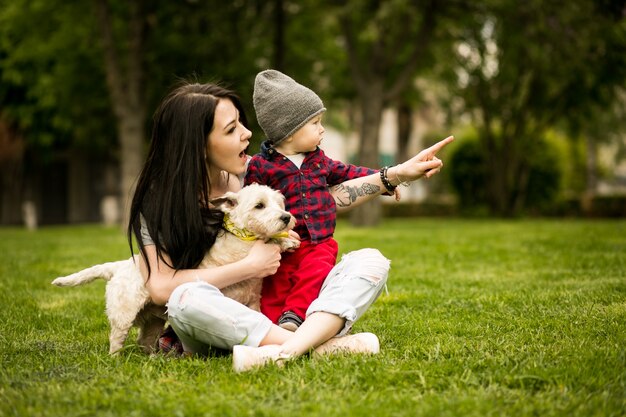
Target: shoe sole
{"type": "Point", "coordinates": [239, 352]}
{"type": "Point", "coordinates": [292, 327]}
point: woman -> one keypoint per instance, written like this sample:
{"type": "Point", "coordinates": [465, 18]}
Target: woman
{"type": "Point", "coordinates": [198, 152]}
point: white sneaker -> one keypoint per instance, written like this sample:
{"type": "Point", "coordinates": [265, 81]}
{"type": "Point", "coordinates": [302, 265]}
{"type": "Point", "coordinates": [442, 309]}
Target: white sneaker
{"type": "Point", "coordinates": [354, 343]}
{"type": "Point", "coordinates": [246, 357]}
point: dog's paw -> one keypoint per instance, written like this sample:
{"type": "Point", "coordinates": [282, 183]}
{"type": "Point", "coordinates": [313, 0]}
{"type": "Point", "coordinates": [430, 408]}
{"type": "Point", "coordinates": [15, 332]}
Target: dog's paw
{"type": "Point", "coordinates": [61, 282]}
{"type": "Point", "coordinates": [289, 244]}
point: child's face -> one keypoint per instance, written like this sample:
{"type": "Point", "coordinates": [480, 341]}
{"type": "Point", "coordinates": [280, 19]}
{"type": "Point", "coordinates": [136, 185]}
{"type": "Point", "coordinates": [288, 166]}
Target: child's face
{"type": "Point", "coordinates": [308, 137]}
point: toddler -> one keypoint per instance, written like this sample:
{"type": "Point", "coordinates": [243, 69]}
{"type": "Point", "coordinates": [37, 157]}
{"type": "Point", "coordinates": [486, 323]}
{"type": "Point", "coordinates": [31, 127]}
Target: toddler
{"type": "Point", "coordinates": [291, 161]}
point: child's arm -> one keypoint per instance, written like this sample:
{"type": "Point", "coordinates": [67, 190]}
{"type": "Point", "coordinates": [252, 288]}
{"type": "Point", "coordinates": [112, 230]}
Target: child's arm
{"type": "Point", "coordinates": [355, 192]}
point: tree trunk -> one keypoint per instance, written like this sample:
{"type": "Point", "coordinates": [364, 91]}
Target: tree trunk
{"type": "Point", "coordinates": [591, 167]}
{"type": "Point", "coordinates": [507, 183]}
{"type": "Point", "coordinates": [520, 189]}
{"type": "Point", "coordinates": [78, 196]}
{"type": "Point", "coordinates": [12, 149]}
{"type": "Point", "coordinates": [405, 125]}
{"type": "Point", "coordinates": [372, 71]}
{"type": "Point", "coordinates": [11, 180]}
{"type": "Point", "coordinates": [126, 93]}
{"type": "Point", "coordinates": [508, 172]}
{"type": "Point", "coordinates": [132, 134]}
{"type": "Point", "coordinates": [371, 107]}
{"type": "Point", "coordinates": [499, 198]}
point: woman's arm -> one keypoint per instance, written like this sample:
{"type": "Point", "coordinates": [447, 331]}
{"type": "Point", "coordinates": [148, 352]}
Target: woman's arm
{"type": "Point", "coordinates": [262, 260]}
{"type": "Point", "coordinates": [355, 192]}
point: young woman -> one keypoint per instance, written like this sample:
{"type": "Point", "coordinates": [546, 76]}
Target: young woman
{"type": "Point", "coordinates": [198, 152]}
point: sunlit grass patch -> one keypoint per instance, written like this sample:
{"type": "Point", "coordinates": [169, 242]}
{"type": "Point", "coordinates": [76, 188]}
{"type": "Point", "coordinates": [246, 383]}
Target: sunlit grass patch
{"type": "Point", "coordinates": [521, 318]}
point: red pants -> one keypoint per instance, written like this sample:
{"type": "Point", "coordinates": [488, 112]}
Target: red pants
{"type": "Point", "coordinates": [299, 279]}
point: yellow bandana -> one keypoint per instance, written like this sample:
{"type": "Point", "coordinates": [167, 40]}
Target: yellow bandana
{"type": "Point", "coordinates": [244, 234]}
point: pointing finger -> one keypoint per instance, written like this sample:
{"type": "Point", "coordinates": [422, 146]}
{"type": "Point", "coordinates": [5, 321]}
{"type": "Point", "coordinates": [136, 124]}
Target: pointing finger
{"type": "Point", "coordinates": [438, 146]}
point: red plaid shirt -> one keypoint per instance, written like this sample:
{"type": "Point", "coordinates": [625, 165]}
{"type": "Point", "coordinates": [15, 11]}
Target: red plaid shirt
{"type": "Point", "coordinates": [306, 190]}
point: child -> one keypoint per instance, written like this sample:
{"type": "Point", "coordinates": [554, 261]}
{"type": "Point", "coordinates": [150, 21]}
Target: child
{"type": "Point", "coordinates": [291, 161]}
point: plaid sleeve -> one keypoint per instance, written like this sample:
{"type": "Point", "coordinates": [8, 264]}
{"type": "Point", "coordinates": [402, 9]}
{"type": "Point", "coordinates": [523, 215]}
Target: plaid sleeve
{"type": "Point", "coordinates": [340, 172]}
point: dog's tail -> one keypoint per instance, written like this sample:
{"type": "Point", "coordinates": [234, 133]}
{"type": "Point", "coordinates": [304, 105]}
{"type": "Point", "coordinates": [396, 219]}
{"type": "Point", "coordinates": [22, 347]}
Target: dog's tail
{"type": "Point", "coordinates": [103, 271]}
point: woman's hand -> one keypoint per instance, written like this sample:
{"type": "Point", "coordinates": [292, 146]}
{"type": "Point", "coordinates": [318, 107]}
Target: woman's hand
{"type": "Point", "coordinates": [263, 259]}
{"type": "Point", "coordinates": [424, 164]}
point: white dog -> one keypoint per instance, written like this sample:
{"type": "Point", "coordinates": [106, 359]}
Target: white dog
{"type": "Point", "coordinates": [255, 212]}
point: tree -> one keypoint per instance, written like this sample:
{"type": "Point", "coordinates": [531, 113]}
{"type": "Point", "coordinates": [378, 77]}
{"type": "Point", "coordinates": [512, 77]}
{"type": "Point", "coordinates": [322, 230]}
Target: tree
{"type": "Point", "coordinates": [78, 76]}
{"type": "Point", "coordinates": [386, 43]}
{"type": "Point", "coordinates": [529, 67]}
{"type": "Point", "coordinates": [49, 72]}
{"type": "Point", "coordinates": [124, 76]}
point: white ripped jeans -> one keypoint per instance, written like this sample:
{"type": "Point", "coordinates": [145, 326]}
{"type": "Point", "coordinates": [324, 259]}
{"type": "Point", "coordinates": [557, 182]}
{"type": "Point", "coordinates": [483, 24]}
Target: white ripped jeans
{"type": "Point", "coordinates": [202, 316]}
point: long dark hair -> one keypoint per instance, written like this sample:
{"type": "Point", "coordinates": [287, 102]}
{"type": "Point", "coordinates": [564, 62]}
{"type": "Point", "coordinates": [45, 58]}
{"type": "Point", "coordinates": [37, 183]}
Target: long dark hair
{"type": "Point", "coordinates": [173, 189]}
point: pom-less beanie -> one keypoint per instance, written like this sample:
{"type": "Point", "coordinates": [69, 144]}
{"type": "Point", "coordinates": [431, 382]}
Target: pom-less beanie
{"type": "Point", "coordinates": [282, 105]}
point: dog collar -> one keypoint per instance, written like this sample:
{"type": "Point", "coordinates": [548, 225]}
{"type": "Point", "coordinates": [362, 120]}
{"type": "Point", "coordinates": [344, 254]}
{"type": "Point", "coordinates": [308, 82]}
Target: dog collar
{"type": "Point", "coordinates": [245, 234]}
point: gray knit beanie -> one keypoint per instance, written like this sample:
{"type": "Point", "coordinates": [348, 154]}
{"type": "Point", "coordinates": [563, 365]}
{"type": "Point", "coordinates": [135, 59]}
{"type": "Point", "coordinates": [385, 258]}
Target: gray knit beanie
{"type": "Point", "coordinates": [282, 105]}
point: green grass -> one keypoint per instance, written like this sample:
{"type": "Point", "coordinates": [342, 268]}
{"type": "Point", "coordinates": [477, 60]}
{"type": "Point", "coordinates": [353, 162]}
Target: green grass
{"type": "Point", "coordinates": [482, 318]}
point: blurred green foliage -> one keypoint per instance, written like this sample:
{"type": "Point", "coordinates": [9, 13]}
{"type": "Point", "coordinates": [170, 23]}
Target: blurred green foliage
{"type": "Point", "coordinates": [512, 71]}
{"type": "Point", "coordinates": [469, 172]}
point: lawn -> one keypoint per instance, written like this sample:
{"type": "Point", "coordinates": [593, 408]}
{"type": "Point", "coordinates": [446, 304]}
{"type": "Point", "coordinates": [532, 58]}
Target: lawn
{"type": "Point", "coordinates": [481, 318]}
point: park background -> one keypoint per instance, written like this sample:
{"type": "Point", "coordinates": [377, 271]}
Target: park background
{"type": "Point", "coordinates": [507, 292]}
{"type": "Point", "coordinates": [533, 92]}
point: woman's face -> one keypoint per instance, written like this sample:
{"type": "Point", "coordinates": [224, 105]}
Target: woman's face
{"type": "Point", "coordinates": [228, 141]}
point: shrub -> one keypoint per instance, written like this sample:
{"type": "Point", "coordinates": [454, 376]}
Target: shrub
{"type": "Point", "coordinates": [469, 176]}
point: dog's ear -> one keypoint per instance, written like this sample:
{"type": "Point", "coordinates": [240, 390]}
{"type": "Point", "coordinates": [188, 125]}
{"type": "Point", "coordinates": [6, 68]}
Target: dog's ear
{"type": "Point", "coordinates": [226, 203]}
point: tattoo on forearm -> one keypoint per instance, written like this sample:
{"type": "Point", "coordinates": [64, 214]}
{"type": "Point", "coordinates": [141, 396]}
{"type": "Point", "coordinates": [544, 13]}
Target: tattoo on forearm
{"type": "Point", "coordinates": [346, 195]}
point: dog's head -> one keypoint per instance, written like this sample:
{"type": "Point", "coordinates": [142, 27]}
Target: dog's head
{"type": "Point", "coordinates": [257, 209]}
